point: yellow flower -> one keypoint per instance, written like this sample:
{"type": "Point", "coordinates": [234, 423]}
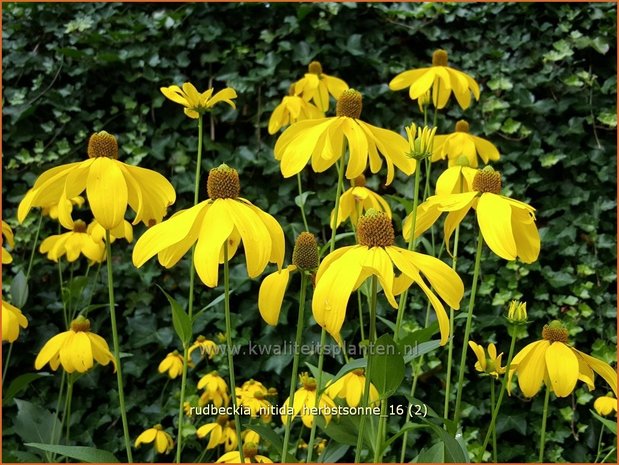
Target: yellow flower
{"type": "Point", "coordinates": [162, 441]}
{"type": "Point", "coordinates": [461, 143]}
{"type": "Point", "coordinates": [517, 312]}
{"type": "Point", "coordinates": [76, 349]}
{"type": "Point", "coordinates": [271, 295]}
{"type": "Point", "coordinates": [420, 140]}
{"type": "Point", "coordinates": [12, 320]}
{"type": "Point", "coordinates": [72, 244]}
{"type": "Point", "coordinates": [223, 217]}
{"type": "Point", "coordinates": [124, 230]}
{"type": "Point", "coordinates": [250, 454]}
{"type": "Point", "coordinates": [357, 200]}
{"type": "Point", "coordinates": [52, 210]}
{"type": "Point", "coordinates": [173, 364]}
{"type": "Point", "coordinates": [7, 234]}
{"type": "Point", "coordinates": [490, 364]}
{"type": "Point", "coordinates": [351, 387]}
{"type": "Point", "coordinates": [320, 446]}
{"type": "Point", "coordinates": [292, 109]}
{"type": "Point", "coordinates": [215, 390]}
{"type": "Point", "coordinates": [556, 364]}
{"type": "Point", "coordinates": [222, 432]}
{"type": "Point", "coordinates": [455, 180]}
{"type": "Point", "coordinates": [252, 395]}
{"type": "Point", "coordinates": [507, 225]}
{"type": "Point", "coordinates": [250, 436]}
{"type": "Point", "coordinates": [197, 103]}
{"type": "Point", "coordinates": [317, 86]}
{"type": "Point", "coordinates": [345, 269]}
{"type": "Point", "coordinates": [440, 79]}
{"type": "Point", "coordinates": [304, 401]}
{"type": "Point", "coordinates": [148, 193]}
{"type": "Point", "coordinates": [605, 405]}
{"type": "Point", "coordinates": [323, 140]}
{"type": "Point", "coordinates": [207, 348]}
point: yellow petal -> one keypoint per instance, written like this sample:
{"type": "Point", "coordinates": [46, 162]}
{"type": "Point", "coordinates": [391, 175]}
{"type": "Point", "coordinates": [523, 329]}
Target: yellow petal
{"type": "Point", "coordinates": [532, 369]}
{"type": "Point", "coordinates": [562, 367]}
{"type": "Point", "coordinates": [254, 234]}
{"type": "Point", "coordinates": [217, 226]}
{"type": "Point", "coordinates": [50, 349]}
{"type": "Point", "coordinates": [271, 295]}
{"type": "Point", "coordinates": [107, 192]}
{"type": "Point", "coordinates": [175, 94]}
{"type": "Point", "coordinates": [149, 194]}
{"type": "Point", "coordinates": [479, 353]}
{"type": "Point", "coordinates": [406, 78]}
{"type": "Point", "coordinates": [494, 216]}
{"type": "Point", "coordinates": [601, 368]}
{"type": "Point", "coordinates": [225, 95]}
{"type": "Point", "coordinates": [146, 437]}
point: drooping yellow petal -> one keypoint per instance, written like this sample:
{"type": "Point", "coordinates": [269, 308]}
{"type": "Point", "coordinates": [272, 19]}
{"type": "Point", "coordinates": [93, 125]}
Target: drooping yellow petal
{"type": "Point", "coordinates": [532, 369]}
{"type": "Point", "coordinates": [254, 234]}
{"type": "Point", "coordinates": [175, 94]}
{"type": "Point", "coordinates": [224, 95]}
{"type": "Point", "coordinates": [296, 144]}
{"type": "Point", "coordinates": [406, 78]}
{"type": "Point", "coordinates": [494, 216]}
{"type": "Point", "coordinates": [50, 349]}
{"type": "Point", "coordinates": [107, 192]}
{"type": "Point", "coordinates": [601, 368]}
{"type": "Point", "coordinates": [480, 354]}
{"type": "Point", "coordinates": [562, 367]}
{"type": "Point", "coordinates": [271, 295]}
{"type": "Point", "coordinates": [276, 233]}
{"type": "Point", "coordinates": [217, 226]}
{"type": "Point", "coordinates": [146, 437]}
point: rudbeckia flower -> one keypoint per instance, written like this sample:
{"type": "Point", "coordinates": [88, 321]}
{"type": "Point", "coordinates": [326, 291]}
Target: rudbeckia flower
{"type": "Point", "coordinates": [197, 103]}
{"type": "Point", "coordinates": [224, 217]}
{"type": "Point", "coordinates": [207, 348]}
{"type": "Point", "coordinates": [556, 364]}
{"type": "Point", "coordinates": [110, 185]}
{"type": "Point", "coordinates": [489, 364]}
{"type": "Point", "coordinates": [324, 139]}
{"type": "Point", "coordinates": [440, 79]}
{"type": "Point", "coordinates": [215, 390]}
{"type": "Point", "coordinates": [292, 109]}
{"type": "Point", "coordinates": [356, 201]}
{"type": "Point", "coordinates": [162, 441]}
{"type": "Point", "coordinates": [605, 405]}
{"type": "Point", "coordinates": [345, 269]}
{"type": "Point", "coordinates": [351, 387]}
{"type": "Point", "coordinates": [250, 435]}
{"type": "Point", "coordinates": [304, 401]}
{"type": "Point", "coordinates": [222, 432]}
{"type": "Point", "coordinates": [317, 86]}
{"type": "Point", "coordinates": [76, 349]}
{"type": "Point", "coordinates": [172, 363]}
{"type": "Point", "coordinates": [12, 320]}
{"type": "Point", "coordinates": [73, 244]}
{"type": "Point", "coordinates": [507, 225]}
{"type": "Point", "coordinates": [250, 454]}
{"type": "Point", "coordinates": [52, 210]}
{"type": "Point", "coordinates": [271, 295]}
{"type": "Point", "coordinates": [7, 234]}
{"type": "Point", "coordinates": [252, 395]}
{"type": "Point", "coordinates": [456, 180]}
{"type": "Point", "coordinates": [124, 230]}
{"type": "Point", "coordinates": [461, 143]}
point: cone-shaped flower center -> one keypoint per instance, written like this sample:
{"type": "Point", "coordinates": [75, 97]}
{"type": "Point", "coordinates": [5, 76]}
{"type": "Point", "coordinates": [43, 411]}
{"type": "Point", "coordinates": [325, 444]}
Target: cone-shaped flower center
{"type": "Point", "coordinates": [359, 181]}
{"type": "Point", "coordinates": [102, 144]}
{"type": "Point", "coordinates": [375, 229]}
{"type": "Point", "coordinates": [439, 58]}
{"type": "Point", "coordinates": [309, 383]}
{"type": "Point", "coordinates": [158, 427]}
{"type": "Point", "coordinates": [258, 395]}
{"type": "Point", "coordinates": [555, 332]}
{"type": "Point", "coordinates": [223, 183]}
{"type": "Point", "coordinates": [487, 180]}
{"type": "Point", "coordinates": [305, 253]}
{"type": "Point", "coordinates": [80, 324]}
{"type": "Point", "coordinates": [250, 450]}
{"type": "Point", "coordinates": [359, 372]}
{"type": "Point", "coordinates": [222, 420]}
{"type": "Point", "coordinates": [315, 67]}
{"type": "Point", "coordinates": [200, 339]}
{"type": "Point", "coordinates": [79, 226]}
{"type": "Point", "coordinates": [462, 126]}
{"type": "Point", "coordinates": [349, 104]}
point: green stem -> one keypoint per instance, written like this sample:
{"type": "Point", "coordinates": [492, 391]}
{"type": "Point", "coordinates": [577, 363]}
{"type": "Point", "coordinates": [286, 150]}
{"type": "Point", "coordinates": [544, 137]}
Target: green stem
{"type": "Point", "coordinates": [542, 440]}
{"type": "Point", "coordinates": [237, 420]}
{"type": "Point", "coordinates": [301, 202]}
{"type": "Point", "coordinates": [382, 428]}
{"type": "Point", "coordinates": [321, 360]}
{"type": "Point", "coordinates": [612, 450]}
{"type": "Point", "coordinates": [467, 330]}
{"type": "Point", "coordinates": [338, 193]}
{"type": "Point", "coordinates": [64, 305]}
{"type": "Point", "coordinates": [181, 411]}
{"type": "Point", "coordinates": [196, 188]}
{"type": "Point", "coordinates": [119, 376]}
{"type": "Point", "coordinates": [68, 409]}
{"type": "Point", "coordinates": [201, 457]}
{"type": "Point", "coordinates": [34, 247]}
{"type": "Point", "coordinates": [599, 448]}
{"type": "Point", "coordinates": [360, 315]}
{"type": "Point", "coordinates": [295, 363]}
{"type": "Point", "coordinates": [492, 400]}
{"type": "Point", "coordinates": [6, 363]}
{"type": "Point", "coordinates": [52, 439]}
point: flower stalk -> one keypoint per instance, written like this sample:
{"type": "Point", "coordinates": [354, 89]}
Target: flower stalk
{"type": "Point", "coordinates": [542, 440]}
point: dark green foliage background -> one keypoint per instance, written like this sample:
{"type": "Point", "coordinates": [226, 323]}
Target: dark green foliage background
{"type": "Point", "coordinates": [548, 79]}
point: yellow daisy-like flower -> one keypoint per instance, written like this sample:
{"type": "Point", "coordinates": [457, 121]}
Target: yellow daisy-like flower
{"type": "Point", "coordinates": [356, 201]}
{"type": "Point", "coordinates": [162, 441]}
{"type": "Point", "coordinates": [345, 269]}
{"type": "Point", "coordinates": [223, 218]}
{"type": "Point", "coordinates": [207, 348]}
{"type": "Point", "coordinates": [323, 141]}
{"type": "Point", "coordinates": [197, 103]}
{"type": "Point", "coordinates": [124, 230]}
{"type": "Point", "coordinates": [110, 186]}
{"type": "Point", "coordinates": [351, 387]}
{"type": "Point", "coordinates": [172, 364]}
{"type": "Point", "coordinates": [556, 364]}
{"type": "Point", "coordinates": [52, 210]}
{"type": "Point", "coordinates": [12, 320]}
{"type": "Point", "coordinates": [292, 109]}
{"type": "Point", "coordinates": [317, 86]}
{"type": "Point", "coordinates": [440, 79]}
{"type": "Point", "coordinates": [250, 454]}
{"type": "Point", "coordinates": [507, 225]}
{"type": "Point", "coordinates": [304, 402]}
{"type": "Point", "coordinates": [222, 432]}
{"type": "Point", "coordinates": [489, 364]}
{"type": "Point", "coordinates": [76, 349]}
{"type": "Point", "coordinates": [455, 180]}
{"type": "Point", "coordinates": [250, 436]}
{"type": "Point", "coordinates": [215, 390]}
{"type": "Point", "coordinates": [7, 235]}
{"type": "Point", "coordinates": [252, 395]}
{"type": "Point", "coordinates": [73, 244]}
{"type": "Point", "coordinates": [305, 257]}
{"type": "Point", "coordinates": [461, 143]}
{"type": "Point", "coordinates": [605, 405]}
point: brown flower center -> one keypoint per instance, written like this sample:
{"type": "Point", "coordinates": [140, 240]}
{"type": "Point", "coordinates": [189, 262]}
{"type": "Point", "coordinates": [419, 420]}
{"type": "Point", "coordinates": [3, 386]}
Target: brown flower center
{"type": "Point", "coordinates": [439, 58]}
{"type": "Point", "coordinates": [487, 180]}
{"type": "Point", "coordinates": [79, 226]}
{"type": "Point", "coordinates": [80, 324]}
{"type": "Point", "coordinates": [555, 332]}
{"type": "Point", "coordinates": [222, 420]}
{"type": "Point", "coordinates": [102, 144]}
{"type": "Point", "coordinates": [250, 450]}
{"type": "Point", "coordinates": [349, 104]}
{"type": "Point", "coordinates": [359, 181]}
{"type": "Point", "coordinates": [375, 229]}
{"type": "Point", "coordinates": [462, 126]}
{"type": "Point", "coordinates": [359, 372]}
{"type": "Point", "coordinates": [223, 183]}
{"type": "Point", "coordinates": [315, 67]}
{"type": "Point", "coordinates": [305, 253]}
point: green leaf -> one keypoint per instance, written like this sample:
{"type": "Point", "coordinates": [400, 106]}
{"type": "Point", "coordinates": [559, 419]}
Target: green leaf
{"type": "Point", "coordinates": [180, 320]}
{"type": "Point", "coordinates": [387, 367]}
{"type": "Point", "coordinates": [19, 290]}
{"type": "Point", "coordinates": [435, 454]}
{"type": "Point", "coordinates": [454, 452]}
{"type": "Point", "coordinates": [300, 200]}
{"type": "Point", "coordinates": [422, 349]}
{"type": "Point", "coordinates": [611, 425]}
{"type": "Point", "coordinates": [83, 454]}
{"type": "Point", "coordinates": [19, 384]}
{"type": "Point", "coordinates": [334, 452]}
{"type": "Point", "coordinates": [35, 424]}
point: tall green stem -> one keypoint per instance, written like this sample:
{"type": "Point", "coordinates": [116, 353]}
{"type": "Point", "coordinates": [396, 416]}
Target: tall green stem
{"type": "Point", "coordinates": [542, 440]}
{"type": "Point", "coordinates": [321, 360]}
{"type": "Point", "coordinates": [295, 362]}
{"type": "Point", "coordinates": [34, 247]}
{"type": "Point", "coordinates": [6, 362]}
{"type": "Point", "coordinates": [492, 400]}
{"type": "Point", "coordinates": [338, 193]}
{"type": "Point", "coordinates": [67, 412]}
{"type": "Point", "coordinates": [302, 201]}
{"type": "Point", "coordinates": [119, 376]}
{"type": "Point", "coordinates": [382, 429]}
{"type": "Point", "coordinates": [450, 348]}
